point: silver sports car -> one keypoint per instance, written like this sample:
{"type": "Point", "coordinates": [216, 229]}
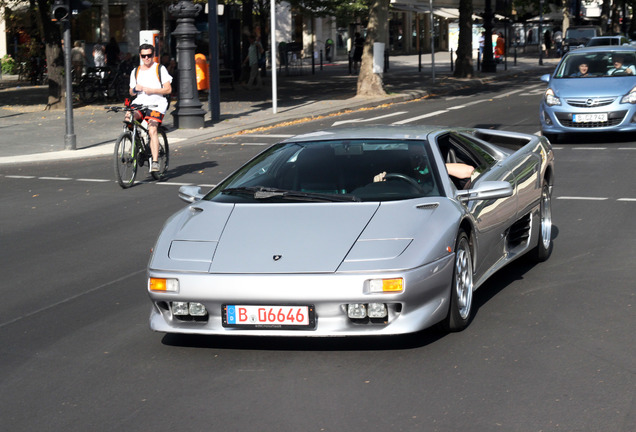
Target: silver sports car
{"type": "Point", "coordinates": [357, 231]}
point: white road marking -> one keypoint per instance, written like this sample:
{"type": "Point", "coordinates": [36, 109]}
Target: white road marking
{"type": "Point", "coordinates": [269, 136]}
{"type": "Point", "coordinates": [369, 119]}
{"type": "Point", "coordinates": [423, 116]}
{"type": "Point", "coordinates": [589, 148]}
{"type": "Point", "coordinates": [93, 180]}
{"type": "Point", "coordinates": [55, 178]}
{"type": "Point", "coordinates": [583, 198]}
{"type": "Point", "coordinates": [627, 199]}
{"type": "Point", "coordinates": [255, 144]}
{"type": "Point", "coordinates": [19, 177]}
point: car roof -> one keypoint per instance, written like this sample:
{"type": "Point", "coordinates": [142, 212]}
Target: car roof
{"type": "Point", "coordinates": [372, 132]}
{"type": "Point", "coordinates": [603, 48]}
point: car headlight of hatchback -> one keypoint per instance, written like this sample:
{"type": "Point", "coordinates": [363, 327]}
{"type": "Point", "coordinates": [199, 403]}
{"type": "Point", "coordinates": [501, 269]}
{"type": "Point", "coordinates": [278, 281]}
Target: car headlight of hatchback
{"type": "Point", "coordinates": [551, 99]}
{"type": "Point", "coordinates": [630, 97]}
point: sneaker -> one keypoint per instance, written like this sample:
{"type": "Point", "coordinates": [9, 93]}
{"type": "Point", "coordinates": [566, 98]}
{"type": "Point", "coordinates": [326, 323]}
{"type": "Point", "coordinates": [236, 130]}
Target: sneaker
{"type": "Point", "coordinates": [154, 167]}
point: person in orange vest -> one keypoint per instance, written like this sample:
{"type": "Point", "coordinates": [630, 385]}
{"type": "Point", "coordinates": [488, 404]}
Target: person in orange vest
{"type": "Point", "coordinates": [202, 72]}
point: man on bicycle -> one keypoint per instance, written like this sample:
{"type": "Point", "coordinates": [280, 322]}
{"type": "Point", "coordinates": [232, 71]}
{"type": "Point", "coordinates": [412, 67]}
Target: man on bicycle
{"type": "Point", "coordinates": [150, 82]}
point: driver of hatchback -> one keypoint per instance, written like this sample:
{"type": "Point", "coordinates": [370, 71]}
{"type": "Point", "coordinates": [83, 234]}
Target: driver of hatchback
{"type": "Point", "coordinates": [619, 66]}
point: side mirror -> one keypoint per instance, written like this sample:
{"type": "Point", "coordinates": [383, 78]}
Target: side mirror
{"type": "Point", "coordinates": [545, 78]}
{"type": "Point", "coordinates": [190, 194]}
{"type": "Point", "coordinates": [487, 190]}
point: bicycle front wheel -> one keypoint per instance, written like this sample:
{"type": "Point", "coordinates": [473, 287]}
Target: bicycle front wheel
{"type": "Point", "coordinates": [164, 155]}
{"type": "Point", "coordinates": [125, 162]}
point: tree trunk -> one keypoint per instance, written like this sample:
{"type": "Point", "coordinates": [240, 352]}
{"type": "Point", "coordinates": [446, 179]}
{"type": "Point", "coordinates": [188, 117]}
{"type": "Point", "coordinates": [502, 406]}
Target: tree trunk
{"type": "Point", "coordinates": [54, 55]}
{"type": "Point", "coordinates": [464, 63]}
{"type": "Point", "coordinates": [369, 83]}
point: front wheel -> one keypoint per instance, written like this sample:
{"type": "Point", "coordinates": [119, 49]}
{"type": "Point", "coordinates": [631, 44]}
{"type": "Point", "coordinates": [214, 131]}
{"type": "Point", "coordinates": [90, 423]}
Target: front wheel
{"type": "Point", "coordinates": [125, 161]}
{"type": "Point", "coordinates": [461, 297]}
{"type": "Point", "coordinates": [544, 246]}
{"type": "Point", "coordinates": [164, 155]}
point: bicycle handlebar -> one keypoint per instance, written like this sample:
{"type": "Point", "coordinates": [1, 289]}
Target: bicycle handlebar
{"type": "Point", "coordinates": [128, 108]}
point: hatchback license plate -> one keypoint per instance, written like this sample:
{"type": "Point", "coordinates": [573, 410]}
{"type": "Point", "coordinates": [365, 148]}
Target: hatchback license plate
{"type": "Point", "coordinates": [589, 118]}
{"type": "Point", "coordinates": [263, 316]}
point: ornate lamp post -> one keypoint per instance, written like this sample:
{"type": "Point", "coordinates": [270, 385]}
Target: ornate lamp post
{"type": "Point", "coordinates": [488, 64]}
{"type": "Point", "coordinates": [188, 113]}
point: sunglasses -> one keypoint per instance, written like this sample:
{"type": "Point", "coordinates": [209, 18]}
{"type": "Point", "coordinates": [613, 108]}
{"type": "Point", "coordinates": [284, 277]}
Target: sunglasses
{"type": "Point", "coordinates": [145, 55]}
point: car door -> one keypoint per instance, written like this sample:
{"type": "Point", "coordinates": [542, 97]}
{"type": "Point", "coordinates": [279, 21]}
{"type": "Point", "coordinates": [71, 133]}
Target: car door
{"type": "Point", "coordinates": [492, 217]}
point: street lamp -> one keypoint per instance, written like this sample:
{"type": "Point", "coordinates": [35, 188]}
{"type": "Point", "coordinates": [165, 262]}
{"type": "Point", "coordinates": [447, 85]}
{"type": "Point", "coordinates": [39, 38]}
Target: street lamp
{"type": "Point", "coordinates": [188, 113]}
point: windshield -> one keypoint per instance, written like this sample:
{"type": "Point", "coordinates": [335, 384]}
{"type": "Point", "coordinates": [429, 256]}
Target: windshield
{"type": "Point", "coordinates": [333, 171]}
{"type": "Point", "coordinates": [580, 33]}
{"type": "Point", "coordinates": [597, 64]}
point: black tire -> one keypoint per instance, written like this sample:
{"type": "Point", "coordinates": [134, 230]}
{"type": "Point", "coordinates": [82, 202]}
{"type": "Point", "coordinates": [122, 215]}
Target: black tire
{"type": "Point", "coordinates": [553, 138]}
{"type": "Point", "coordinates": [543, 250]}
{"type": "Point", "coordinates": [88, 91]}
{"type": "Point", "coordinates": [164, 155]}
{"type": "Point", "coordinates": [121, 89]}
{"type": "Point", "coordinates": [125, 161]}
{"type": "Point", "coordinates": [461, 296]}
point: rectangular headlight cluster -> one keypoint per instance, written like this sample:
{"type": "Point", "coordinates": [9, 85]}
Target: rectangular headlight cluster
{"type": "Point", "coordinates": [386, 285]}
{"type": "Point", "coordinates": [163, 285]}
{"type": "Point", "coordinates": [188, 308]}
{"type": "Point", "coordinates": [362, 310]}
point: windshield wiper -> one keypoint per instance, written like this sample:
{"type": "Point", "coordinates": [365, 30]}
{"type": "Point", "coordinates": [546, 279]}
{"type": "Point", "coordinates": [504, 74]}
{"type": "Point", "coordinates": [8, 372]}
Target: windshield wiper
{"type": "Point", "coordinates": [262, 193]}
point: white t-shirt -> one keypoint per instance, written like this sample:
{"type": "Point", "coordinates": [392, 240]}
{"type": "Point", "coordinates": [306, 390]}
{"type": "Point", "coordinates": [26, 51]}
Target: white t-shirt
{"type": "Point", "coordinates": [149, 78]}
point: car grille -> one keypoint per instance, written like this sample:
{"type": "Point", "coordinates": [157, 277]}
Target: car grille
{"type": "Point", "coordinates": [589, 102]}
{"type": "Point", "coordinates": [613, 119]}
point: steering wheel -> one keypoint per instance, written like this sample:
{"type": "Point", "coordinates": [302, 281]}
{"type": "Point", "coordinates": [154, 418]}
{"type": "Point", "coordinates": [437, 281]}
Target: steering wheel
{"type": "Point", "coordinates": [398, 176]}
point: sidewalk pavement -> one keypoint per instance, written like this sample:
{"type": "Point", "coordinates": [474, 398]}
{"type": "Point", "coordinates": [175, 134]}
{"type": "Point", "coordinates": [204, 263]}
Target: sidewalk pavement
{"type": "Point", "coordinates": [32, 134]}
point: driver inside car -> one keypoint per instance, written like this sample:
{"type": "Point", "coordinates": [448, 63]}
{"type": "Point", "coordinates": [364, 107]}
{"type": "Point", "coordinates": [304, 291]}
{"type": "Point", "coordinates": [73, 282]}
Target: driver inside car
{"type": "Point", "coordinates": [455, 169]}
{"type": "Point", "coordinates": [619, 66]}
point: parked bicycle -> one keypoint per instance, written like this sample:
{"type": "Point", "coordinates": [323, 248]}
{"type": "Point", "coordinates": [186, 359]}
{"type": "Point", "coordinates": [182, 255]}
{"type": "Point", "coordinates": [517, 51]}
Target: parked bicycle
{"type": "Point", "coordinates": [103, 83]}
{"type": "Point", "coordinates": [132, 149]}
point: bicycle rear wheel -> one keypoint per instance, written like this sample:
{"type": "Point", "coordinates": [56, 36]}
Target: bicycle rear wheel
{"type": "Point", "coordinates": [88, 91]}
{"type": "Point", "coordinates": [125, 161]}
{"type": "Point", "coordinates": [164, 155]}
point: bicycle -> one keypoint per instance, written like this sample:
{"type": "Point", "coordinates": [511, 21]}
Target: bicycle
{"type": "Point", "coordinates": [102, 83]}
{"type": "Point", "coordinates": [132, 148]}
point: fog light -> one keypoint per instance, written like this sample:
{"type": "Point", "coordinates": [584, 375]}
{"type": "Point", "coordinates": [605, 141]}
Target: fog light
{"type": "Point", "coordinates": [377, 310]}
{"type": "Point", "coordinates": [386, 285]}
{"type": "Point", "coordinates": [546, 118]}
{"type": "Point", "coordinates": [197, 309]}
{"type": "Point", "coordinates": [161, 284]}
{"type": "Point", "coordinates": [357, 311]}
{"type": "Point", "coordinates": [180, 308]}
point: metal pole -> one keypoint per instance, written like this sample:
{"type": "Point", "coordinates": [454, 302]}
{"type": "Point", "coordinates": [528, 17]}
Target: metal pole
{"type": "Point", "coordinates": [272, 53]}
{"type": "Point", "coordinates": [214, 95]}
{"type": "Point", "coordinates": [540, 32]}
{"type": "Point", "coordinates": [69, 138]}
{"type": "Point", "coordinates": [430, 3]}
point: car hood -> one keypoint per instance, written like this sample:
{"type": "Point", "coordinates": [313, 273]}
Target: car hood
{"type": "Point", "coordinates": [291, 238]}
{"type": "Point", "coordinates": [593, 87]}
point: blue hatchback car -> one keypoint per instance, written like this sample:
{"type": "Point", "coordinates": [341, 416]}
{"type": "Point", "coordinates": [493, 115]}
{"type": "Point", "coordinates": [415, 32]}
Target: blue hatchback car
{"type": "Point", "coordinates": [592, 89]}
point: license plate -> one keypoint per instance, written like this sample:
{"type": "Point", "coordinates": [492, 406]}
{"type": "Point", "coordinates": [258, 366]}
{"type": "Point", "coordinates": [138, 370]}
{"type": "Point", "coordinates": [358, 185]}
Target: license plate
{"type": "Point", "coordinates": [268, 316]}
{"type": "Point", "coordinates": [589, 118]}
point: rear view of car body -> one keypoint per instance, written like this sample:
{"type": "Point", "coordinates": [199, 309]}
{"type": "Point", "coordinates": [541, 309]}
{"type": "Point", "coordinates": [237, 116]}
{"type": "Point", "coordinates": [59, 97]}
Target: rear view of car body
{"type": "Point", "coordinates": [598, 103]}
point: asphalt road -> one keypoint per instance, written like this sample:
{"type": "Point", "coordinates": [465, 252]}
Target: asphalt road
{"type": "Point", "coordinates": [551, 347]}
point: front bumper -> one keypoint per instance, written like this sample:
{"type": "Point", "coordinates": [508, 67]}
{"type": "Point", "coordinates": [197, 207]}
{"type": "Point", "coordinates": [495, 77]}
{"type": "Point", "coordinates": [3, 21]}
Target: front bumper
{"type": "Point", "coordinates": [559, 119]}
{"type": "Point", "coordinates": [423, 303]}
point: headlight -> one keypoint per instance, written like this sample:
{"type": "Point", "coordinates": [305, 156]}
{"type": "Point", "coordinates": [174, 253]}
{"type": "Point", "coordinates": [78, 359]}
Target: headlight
{"type": "Point", "coordinates": [551, 99]}
{"type": "Point", "coordinates": [630, 97]}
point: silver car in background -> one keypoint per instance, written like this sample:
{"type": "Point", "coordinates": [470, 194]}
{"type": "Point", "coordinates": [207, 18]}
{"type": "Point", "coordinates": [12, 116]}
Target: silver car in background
{"type": "Point", "coordinates": [305, 240]}
{"type": "Point", "coordinates": [603, 100]}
